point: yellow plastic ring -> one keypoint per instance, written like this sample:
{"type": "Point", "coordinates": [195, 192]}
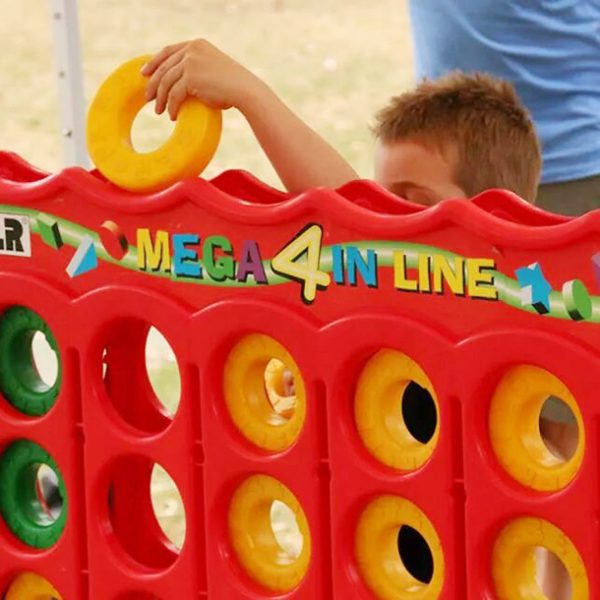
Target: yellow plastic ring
{"type": "Point", "coordinates": [254, 541]}
{"type": "Point", "coordinates": [515, 433]}
{"type": "Point", "coordinates": [513, 560]}
{"type": "Point", "coordinates": [29, 586]}
{"type": "Point", "coordinates": [247, 397]}
{"type": "Point", "coordinates": [378, 414]}
{"type": "Point", "coordinates": [185, 153]}
{"type": "Point", "coordinates": [376, 550]}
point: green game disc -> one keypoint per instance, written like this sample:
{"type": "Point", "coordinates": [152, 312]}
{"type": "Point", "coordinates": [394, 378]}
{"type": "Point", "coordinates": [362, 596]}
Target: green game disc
{"type": "Point", "coordinates": [31, 518]}
{"type": "Point", "coordinates": [20, 380]}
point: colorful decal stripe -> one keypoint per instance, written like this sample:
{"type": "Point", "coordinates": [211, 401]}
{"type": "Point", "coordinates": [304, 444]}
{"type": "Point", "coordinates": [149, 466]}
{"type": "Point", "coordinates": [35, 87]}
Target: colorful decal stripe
{"type": "Point", "coordinates": [571, 303]}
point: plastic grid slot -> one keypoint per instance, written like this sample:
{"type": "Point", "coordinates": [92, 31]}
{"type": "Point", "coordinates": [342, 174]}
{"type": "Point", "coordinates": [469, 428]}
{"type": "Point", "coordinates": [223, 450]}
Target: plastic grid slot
{"type": "Point", "coordinates": [331, 473]}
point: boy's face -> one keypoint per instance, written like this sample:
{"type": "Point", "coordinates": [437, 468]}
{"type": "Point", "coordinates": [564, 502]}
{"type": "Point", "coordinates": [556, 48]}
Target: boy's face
{"type": "Point", "coordinates": [417, 172]}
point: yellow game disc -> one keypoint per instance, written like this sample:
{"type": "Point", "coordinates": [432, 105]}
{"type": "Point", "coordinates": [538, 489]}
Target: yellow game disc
{"type": "Point", "coordinates": [252, 535]}
{"type": "Point", "coordinates": [378, 410]}
{"type": "Point", "coordinates": [378, 557]}
{"type": "Point", "coordinates": [29, 586]}
{"type": "Point", "coordinates": [514, 568]}
{"type": "Point", "coordinates": [185, 153]}
{"type": "Point", "coordinates": [252, 374]}
{"type": "Point", "coordinates": [514, 425]}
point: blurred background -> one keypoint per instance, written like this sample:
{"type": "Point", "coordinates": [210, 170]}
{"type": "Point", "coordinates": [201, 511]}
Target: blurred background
{"type": "Point", "coordinates": [335, 62]}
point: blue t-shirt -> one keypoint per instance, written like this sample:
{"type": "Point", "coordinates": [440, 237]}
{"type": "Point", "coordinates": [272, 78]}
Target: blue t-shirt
{"type": "Point", "coordinates": [549, 49]}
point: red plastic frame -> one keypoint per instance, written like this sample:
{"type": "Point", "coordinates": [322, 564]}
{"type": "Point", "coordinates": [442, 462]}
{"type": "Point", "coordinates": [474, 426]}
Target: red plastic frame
{"type": "Point", "coordinates": [464, 346]}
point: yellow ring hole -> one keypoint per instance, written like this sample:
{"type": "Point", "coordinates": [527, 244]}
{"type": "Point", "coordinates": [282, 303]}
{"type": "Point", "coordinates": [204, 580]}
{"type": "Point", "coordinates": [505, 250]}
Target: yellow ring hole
{"type": "Point", "coordinates": [514, 568]}
{"type": "Point", "coordinates": [381, 387]}
{"type": "Point", "coordinates": [514, 425]}
{"type": "Point", "coordinates": [266, 557]}
{"type": "Point", "coordinates": [378, 557]}
{"type": "Point", "coordinates": [279, 386]}
{"type": "Point", "coordinates": [184, 154]}
{"type": "Point", "coordinates": [253, 384]}
{"type": "Point", "coordinates": [29, 586]}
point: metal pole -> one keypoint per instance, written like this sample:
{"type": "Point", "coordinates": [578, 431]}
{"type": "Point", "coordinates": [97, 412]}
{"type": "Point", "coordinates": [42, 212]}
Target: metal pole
{"type": "Point", "coordinates": [70, 81]}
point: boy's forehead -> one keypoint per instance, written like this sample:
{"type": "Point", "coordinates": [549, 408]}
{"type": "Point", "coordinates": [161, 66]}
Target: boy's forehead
{"type": "Point", "coordinates": [398, 157]}
{"type": "Point", "coordinates": [422, 145]}
{"type": "Point", "coordinates": [416, 163]}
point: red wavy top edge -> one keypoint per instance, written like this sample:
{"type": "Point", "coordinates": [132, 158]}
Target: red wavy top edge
{"type": "Point", "coordinates": [498, 216]}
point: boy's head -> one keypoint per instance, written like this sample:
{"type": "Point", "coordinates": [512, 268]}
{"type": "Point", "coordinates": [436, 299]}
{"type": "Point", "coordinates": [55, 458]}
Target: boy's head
{"type": "Point", "coordinates": [455, 137]}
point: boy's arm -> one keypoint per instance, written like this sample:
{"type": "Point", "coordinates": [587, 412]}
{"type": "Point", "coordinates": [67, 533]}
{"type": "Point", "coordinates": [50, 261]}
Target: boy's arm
{"type": "Point", "coordinates": [300, 156]}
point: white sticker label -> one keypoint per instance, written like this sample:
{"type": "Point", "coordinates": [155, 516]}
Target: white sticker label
{"type": "Point", "coordinates": [15, 235]}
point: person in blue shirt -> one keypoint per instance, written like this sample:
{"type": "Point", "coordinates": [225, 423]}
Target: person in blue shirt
{"type": "Point", "coordinates": [550, 51]}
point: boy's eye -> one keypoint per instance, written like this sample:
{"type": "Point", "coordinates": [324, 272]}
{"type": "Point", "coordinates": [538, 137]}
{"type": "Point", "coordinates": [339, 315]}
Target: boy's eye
{"type": "Point", "coordinates": [422, 196]}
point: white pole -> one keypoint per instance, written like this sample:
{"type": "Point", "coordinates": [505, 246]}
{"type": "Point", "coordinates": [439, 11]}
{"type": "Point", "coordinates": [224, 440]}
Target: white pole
{"type": "Point", "coordinates": [70, 81]}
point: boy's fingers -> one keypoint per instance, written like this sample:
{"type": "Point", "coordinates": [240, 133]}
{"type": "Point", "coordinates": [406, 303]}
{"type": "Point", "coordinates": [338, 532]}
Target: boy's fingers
{"type": "Point", "coordinates": [177, 95]}
{"type": "Point", "coordinates": [170, 78]}
{"type": "Point", "coordinates": [165, 67]}
{"type": "Point", "coordinates": [158, 58]}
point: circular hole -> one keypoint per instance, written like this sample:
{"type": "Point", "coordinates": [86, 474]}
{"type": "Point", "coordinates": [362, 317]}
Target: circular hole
{"type": "Point", "coordinates": [30, 586]}
{"type": "Point", "coordinates": [44, 359]}
{"type": "Point", "coordinates": [269, 533]}
{"type": "Point", "coordinates": [47, 502]}
{"type": "Point", "coordinates": [163, 370]}
{"type": "Point", "coordinates": [264, 392]}
{"type": "Point", "coordinates": [33, 499]}
{"type": "Point", "coordinates": [29, 362]}
{"type": "Point", "coordinates": [396, 411]}
{"type": "Point", "coordinates": [552, 576]}
{"type": "Point", "coordinates": [280, 388]}
{"type": "Point", "coordinates": [415, 554]}
{"type": "Point", "coordinates": [168, 506]}
{"type": "Point", "coordinates": [558, 428]}
{"type": "Point", "coordinates": [533, 558]}
{"type": "Point", "coordinates": [419, 412]}
{"type": "Point", "coordinates": [140, 374]}
{"type": "Point", "coordinates": [146, 512]}
{"type": "Point", "coordinates": [398, 550]}
{"type": "Point", "coordinates": [149, 130]}
{"type": "Point", "coordinates": [536, 429]}
{"type": "Point", "coordinates": [284, 526]}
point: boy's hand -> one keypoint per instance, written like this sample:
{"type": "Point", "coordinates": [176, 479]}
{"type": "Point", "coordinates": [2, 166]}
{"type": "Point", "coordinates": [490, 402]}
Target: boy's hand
{"type": "Point", "coordinates": [200, 70]}
{"type": "Point", "coordinates": [300, 156]}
